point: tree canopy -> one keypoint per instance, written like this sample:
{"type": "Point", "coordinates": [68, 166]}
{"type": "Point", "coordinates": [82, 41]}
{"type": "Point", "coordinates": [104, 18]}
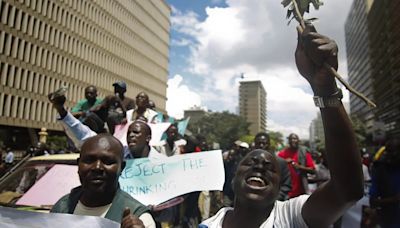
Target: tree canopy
{"type": "Point", "coordinates": [221, 127]}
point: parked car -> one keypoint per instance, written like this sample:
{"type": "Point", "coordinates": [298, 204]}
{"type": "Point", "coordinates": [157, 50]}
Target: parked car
{"type": "Point", "coordinates": [39, 182]}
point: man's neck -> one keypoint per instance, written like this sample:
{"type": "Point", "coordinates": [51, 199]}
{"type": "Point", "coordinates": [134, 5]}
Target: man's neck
{"type": "Point", "coordinates": [141, 110]}
{"type": "Point", "coordinates": [246, 216]}
{"type": "Point", "coordinates": [97, 200]}
{"type": "Point", "coordinates": [146, 151]}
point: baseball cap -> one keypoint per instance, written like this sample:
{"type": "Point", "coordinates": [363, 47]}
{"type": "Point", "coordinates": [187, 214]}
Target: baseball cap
{"type": "Point", "coordinates": [244, 144]}
{"type": "Point", "coordinates": [238, 142]}
{"type": "Point", "coordinates": [121, 84]}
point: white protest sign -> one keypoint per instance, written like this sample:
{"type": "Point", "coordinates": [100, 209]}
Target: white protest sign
{"type": "Point", "coordinates": [157, 130]}
{"type": "Point", "coordinates": [12, 218]}
{"type": "Point", "coordinates": [156, 180]}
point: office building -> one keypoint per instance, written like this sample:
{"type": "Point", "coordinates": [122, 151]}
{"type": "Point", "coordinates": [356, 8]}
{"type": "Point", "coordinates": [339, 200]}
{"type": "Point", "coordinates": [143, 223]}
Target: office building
{"type": "Point", "coordinates": [317, 134]}
{"type": "Point", "coordinates": [358, 59]}
{"type": "Point", "coordinates": [253, 105]}
{"type": "Point", "coordinates": [46, 44]}
{"type": "Point", "coordinates": [384, 36]}
{"type": "Point", "coordinates": [195, 113]}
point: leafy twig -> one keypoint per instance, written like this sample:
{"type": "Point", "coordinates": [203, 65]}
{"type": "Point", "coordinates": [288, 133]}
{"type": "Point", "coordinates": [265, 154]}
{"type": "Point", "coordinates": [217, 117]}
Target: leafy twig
{"type": "Point", "coordinates": [298, 13]}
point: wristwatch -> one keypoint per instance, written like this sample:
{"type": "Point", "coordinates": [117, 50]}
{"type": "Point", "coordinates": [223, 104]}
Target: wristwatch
{"type": "Point", "coordinates": [334, 100]}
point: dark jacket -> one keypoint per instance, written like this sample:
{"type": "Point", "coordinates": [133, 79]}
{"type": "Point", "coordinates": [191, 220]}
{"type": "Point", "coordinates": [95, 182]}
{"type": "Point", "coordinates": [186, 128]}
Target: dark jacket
{"type": "Point", "coordinates": [286, 182]}
{"type": "Point", "coordinates": [121, 200]}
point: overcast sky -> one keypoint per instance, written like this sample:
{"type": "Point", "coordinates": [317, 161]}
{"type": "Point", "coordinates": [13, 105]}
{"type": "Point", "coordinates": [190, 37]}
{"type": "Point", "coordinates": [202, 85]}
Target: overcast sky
{"type": "Point", "coordinates": [214, 41]}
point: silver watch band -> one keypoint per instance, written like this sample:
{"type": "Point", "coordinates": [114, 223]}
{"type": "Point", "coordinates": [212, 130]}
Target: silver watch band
{"type": "Point", "coordinates": [334, 100]}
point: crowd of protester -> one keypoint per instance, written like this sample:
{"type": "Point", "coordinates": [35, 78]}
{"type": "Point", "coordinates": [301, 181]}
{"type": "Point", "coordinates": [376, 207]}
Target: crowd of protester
{"type": "Point", "coordinates": [292, 187]}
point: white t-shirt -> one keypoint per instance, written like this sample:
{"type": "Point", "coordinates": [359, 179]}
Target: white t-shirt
{"type": "Point", "coordinates": [285, 214]}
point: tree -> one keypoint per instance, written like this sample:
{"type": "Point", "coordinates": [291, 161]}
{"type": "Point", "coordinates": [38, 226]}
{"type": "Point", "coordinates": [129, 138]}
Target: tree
{"type": "Point", "coordinates": [221, 127]}
{"type": "Point", "coordinates": [247, 138]}
{"type": "Point", "coordinates": [57, 142]}
{"type": "Point", "coordinates": [360, 130]}
{"type": "Point", "coordinates": [276, 140]}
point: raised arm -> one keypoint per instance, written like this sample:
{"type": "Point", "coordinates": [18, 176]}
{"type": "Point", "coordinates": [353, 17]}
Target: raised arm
{"type": "Point", "coordinates": [345, 187]}
{"type": "Point", "coordinates": [75, 130]}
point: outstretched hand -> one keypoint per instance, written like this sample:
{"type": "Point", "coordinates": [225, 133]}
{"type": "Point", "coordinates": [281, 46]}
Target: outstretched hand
{"type": "Point", "coordinates": [130, 221]}
{"type": "Point", "coordinates": [312, 52]}
{"type": "Point", "coordinates": [58, 102]}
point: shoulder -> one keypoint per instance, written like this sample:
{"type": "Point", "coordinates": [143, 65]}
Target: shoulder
{"type": "Point", "coordinates": [282, 153]}
{"type": "Point", "coordinates": [82, 101]}
{"type": "Point", "coordinates": [127, 200]}
{"type": "Point", "coordinates": [61, 206]}
{"type": "Point", "coordinates": [216, 220]}
{"type": "Point", "coordinates": [120, 202]}
{"type": "Point", "coordinates": [68, 202]}
{"type": "Point", "coordinates": [288, 213]}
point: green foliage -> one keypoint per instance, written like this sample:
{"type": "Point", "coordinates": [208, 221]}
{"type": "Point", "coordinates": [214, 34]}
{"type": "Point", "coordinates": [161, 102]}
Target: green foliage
{"type": "Point", "coordinates": [276, 140]}
{"type": "Point", "coordinates": [56, 142]}
{"type": "Point", "coordinates": [247, 138]}
{"type": "Point", "coordinates": [303, 6]}
{"type": "Point", "coordinates": [360, 130]}
{"type": "Point", "coordinates": [221, 127]}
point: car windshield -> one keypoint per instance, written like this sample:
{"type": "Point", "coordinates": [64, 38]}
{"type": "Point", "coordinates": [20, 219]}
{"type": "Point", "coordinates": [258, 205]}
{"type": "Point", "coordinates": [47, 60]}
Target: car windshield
{"type": "Point", "coordinates": [21, 181]}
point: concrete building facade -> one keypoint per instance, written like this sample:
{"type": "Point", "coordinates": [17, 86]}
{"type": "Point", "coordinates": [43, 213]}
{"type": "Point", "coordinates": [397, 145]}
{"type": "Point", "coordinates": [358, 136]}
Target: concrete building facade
{"type": "Point", "coordinates": [253, 105]}
{"type": "Point", "coordinates": [195, 113]}
{"type": "Point", "coordinates": [384, 36]}
{"type": "Point", "coordinates": [46, 44]}
{"type": "Point", "coordinates": [373, 52]}
{"type": "Point", "coordinates": [358, 59]}
{"type": "Point", "coordinates": [317, 134]}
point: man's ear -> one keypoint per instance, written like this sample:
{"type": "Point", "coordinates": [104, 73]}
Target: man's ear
{"type": "Point", "coordinates": [148, 138]}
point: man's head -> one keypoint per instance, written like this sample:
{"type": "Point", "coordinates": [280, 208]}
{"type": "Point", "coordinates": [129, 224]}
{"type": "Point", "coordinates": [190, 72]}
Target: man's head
{"type": "Point", "coordinates": [138, 138]}
{"type": "Point", "coordinates": [244, 148]}
{"type": "Point", "coordinates": [293, 141]}
{"type": "Point", "coordinates": [142, 100]}
{"type": "Point", "coordinates": [202, 142]}
{"type": "Point", "coordinates": [119, 87]}
{"type": "Point", "coordinates": [91, 93]}
{"type": "Point", "coordinates": [261, 141]}
{"type": "Point", "coordinates": [257, 180]}
{"type": "Point", "coordinates": [152, 105]}
{"type": "Point", "coordinates": [172, 132]}
{"type": "Point", "coordinates": [100, 164]}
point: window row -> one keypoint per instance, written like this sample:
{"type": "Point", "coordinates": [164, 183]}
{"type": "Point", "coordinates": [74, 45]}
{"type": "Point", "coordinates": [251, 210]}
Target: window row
{"type": "Point", "coordinates": [128, 12]}
{"type": "Point", "coordinates": [38, 56]}
{"type": "Point", "coordinates": [32, 26]}
{"type": "Point", "coordinates": [124, 30]}
{"type": "Point", "coordinates": [31, 81]}
{"type": "Point", "coordinates": [61, 40]}
{"type": "Point", "coordinates": [16, 18]}
{"type": "Point", "coordinates": [26, 108]}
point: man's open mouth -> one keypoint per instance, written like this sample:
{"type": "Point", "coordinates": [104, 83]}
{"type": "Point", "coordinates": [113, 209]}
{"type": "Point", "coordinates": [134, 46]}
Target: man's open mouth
{"type": "Point", "coordinates": [256, 182]}
{"type": "Point", "coordinates": [131, 143]}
